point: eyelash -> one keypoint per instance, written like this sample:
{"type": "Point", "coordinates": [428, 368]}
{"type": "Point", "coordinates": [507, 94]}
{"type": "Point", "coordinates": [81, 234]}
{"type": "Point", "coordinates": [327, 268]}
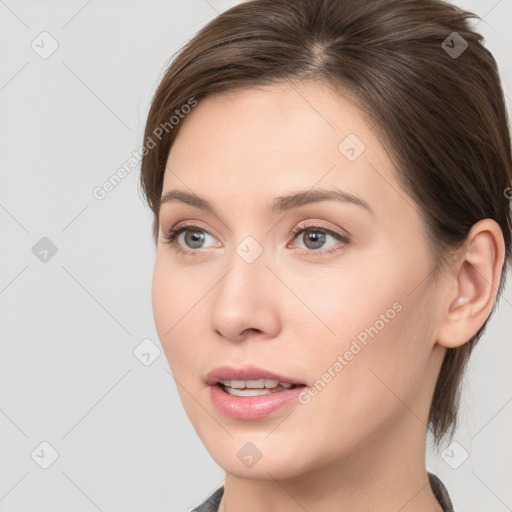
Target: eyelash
{"type": "Point", "coordinates": [174, 232]}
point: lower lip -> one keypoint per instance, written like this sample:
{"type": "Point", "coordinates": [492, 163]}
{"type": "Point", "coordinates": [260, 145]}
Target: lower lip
{"type": "Point", "coordinates": [252, 407]}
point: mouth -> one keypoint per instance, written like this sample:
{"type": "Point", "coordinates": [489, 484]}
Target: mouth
{"type": "Point", "coordinates": [250, 380]}
{"type": "Point", "coordinates": [254, 387]}
{"type": "Point", "coordinates": [251, 393]}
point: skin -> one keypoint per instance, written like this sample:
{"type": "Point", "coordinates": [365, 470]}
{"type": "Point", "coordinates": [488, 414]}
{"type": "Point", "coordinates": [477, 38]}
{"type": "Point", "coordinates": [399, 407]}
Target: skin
{"type": "Point", "coordinates": [359, 444]}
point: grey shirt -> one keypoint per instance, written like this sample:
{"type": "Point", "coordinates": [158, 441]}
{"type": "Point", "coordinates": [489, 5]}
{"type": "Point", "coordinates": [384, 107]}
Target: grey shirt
{"type": "Point", "coordinates": [211, 504]}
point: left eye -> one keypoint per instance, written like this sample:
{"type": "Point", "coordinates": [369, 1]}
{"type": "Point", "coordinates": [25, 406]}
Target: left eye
{"type": "Point", "coordinates": [314, 237]}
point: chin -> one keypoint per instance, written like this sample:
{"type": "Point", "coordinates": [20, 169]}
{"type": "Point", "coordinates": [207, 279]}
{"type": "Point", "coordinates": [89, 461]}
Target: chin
{"type": "Point", "coordinates": [278, 467]}
{"type": "Point", "coordinates": [255, 456]}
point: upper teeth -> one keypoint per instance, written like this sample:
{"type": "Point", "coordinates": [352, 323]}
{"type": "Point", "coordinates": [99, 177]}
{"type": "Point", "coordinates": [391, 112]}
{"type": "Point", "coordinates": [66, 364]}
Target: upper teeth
{"type": "Point", "coordinates": [259, 383]}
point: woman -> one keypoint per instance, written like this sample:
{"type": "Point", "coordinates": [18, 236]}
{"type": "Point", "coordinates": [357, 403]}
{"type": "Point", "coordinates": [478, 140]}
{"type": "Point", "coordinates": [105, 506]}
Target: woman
{"type": "Point", "coordinates": [329, 181]}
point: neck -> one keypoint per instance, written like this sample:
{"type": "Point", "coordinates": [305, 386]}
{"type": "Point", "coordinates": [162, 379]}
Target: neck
{"type": "Point", "coordinates": [386, 475]}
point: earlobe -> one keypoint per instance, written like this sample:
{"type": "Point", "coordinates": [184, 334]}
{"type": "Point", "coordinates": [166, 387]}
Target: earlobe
{"type": "Point", "coordinates": [477, 274]}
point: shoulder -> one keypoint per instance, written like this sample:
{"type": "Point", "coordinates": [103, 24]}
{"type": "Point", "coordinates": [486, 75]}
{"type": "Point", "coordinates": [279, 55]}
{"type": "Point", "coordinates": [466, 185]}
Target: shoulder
{"type": "Point", "coordinates": [440, 493]}
{"type": "Point", "coordinates": [211, 504]}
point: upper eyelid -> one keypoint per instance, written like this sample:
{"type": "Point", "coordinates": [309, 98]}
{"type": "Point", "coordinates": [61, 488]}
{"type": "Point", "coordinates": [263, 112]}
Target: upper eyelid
{"type": "Point", "coordinates": [337, 231]}
{"type": "Point", "coordinates": [189, 225]}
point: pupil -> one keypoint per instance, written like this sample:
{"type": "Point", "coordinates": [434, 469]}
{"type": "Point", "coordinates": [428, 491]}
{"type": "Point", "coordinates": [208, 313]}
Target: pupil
{"type": "Point", "coordinates": [196, 237]}
{"type": "Point", "coordinates": [316, 237]}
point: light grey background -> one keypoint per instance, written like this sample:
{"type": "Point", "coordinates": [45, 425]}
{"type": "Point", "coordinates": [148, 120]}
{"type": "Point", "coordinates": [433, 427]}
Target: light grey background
{"type": "Point", "coordinates": [69, 376]}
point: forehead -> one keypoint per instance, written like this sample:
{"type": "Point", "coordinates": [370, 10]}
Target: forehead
{"type": "Point", "coordinates": [304, 116]}
{"type": "Point", "coordinates": [270, 140]}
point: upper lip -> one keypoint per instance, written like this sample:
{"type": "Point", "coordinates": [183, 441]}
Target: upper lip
{"type": "Point", "coordinates": [247, 372]}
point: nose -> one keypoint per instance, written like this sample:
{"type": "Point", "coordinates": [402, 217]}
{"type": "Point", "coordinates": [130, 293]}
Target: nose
{"type": "Point", "coordinates": [245, 303]}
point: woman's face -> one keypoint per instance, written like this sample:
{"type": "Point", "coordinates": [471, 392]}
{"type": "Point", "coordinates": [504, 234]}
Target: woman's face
{"type": "Point", "coordinates": [345, 307]}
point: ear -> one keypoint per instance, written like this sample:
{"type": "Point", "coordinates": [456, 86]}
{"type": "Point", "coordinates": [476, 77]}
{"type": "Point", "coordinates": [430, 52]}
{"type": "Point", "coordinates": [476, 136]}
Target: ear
{"type": "Point", "coordinates": [474, 280]}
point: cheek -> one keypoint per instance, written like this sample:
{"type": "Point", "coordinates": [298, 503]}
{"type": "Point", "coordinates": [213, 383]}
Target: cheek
{"type": "Point", "coordinates": [345, 303]}
{"type": "Point", "coordinates": [378, 342]}
{"type": "Point", "coordinates": [372, 299]}
{"type": "Point", "coordinates": [175, 304]}
{"type": "Point", "coordinates": [163, 299]}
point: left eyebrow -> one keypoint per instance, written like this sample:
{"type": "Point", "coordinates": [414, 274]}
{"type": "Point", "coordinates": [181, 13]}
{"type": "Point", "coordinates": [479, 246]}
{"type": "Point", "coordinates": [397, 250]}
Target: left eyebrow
{"type": "Point", "coordinates": [280, 204]}
{"type": "Point", "coordinates": [297, 199]}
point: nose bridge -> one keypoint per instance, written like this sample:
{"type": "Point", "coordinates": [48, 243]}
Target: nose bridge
{"type": "Point", "coordinates": [244, 281]}
{"type": "Point", "coordinates": [244, 298]}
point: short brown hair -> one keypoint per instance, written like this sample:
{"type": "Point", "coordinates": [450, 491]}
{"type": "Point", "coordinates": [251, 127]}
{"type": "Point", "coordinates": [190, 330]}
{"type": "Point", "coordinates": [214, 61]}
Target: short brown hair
{"type": "Point", "coordinates": [442, 116]}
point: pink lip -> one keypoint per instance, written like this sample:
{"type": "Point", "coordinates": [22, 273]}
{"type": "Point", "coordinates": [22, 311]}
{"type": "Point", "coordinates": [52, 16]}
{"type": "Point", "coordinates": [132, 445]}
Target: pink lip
{"type": "Point", "coordinates": [249, 407]}
{"type": "Point", "coordinates": [248, 372]}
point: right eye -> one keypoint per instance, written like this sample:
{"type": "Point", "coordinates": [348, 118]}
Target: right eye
{"type": "Point", "coordinates": [194, 237]}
